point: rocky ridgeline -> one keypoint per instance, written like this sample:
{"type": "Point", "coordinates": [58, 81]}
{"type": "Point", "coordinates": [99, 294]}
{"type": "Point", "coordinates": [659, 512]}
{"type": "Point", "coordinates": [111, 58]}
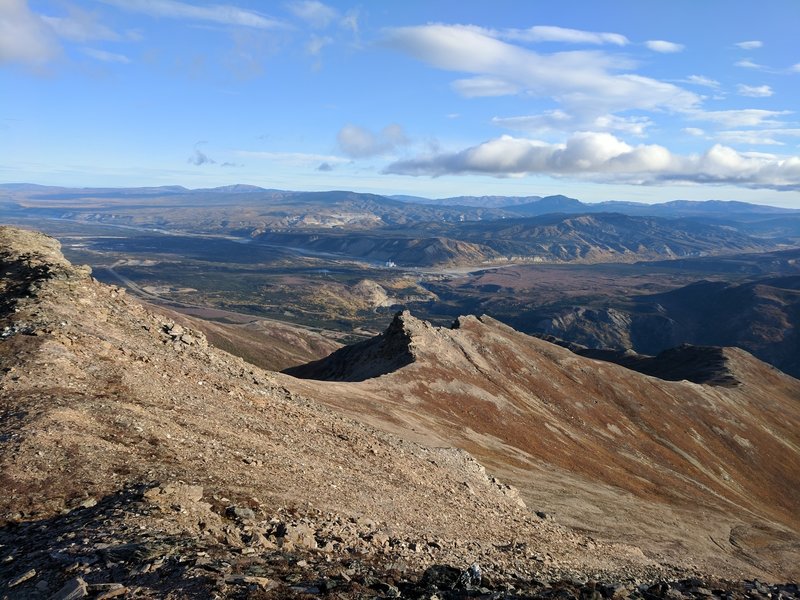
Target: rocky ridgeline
{"type": "Point", "coordinates": [166, 541]}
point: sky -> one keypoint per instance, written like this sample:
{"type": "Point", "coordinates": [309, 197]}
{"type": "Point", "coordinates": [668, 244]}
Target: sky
{"type": "Point", "coordinates": [642, 100]}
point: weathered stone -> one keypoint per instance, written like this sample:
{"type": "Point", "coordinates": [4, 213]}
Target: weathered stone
{"type": "Point", "coordinates": [262, 582]}
{"type": "Point", "coordinates": [386, 589]}
{"type": "Point", "coordinates": [241, 513]}
{"type": "Point", "coordinates": [116, 592]}
{"type": "Point", "coordinates": [298, 536]}
{"type": "Point", "coordinates": [72, 590]}
{"type": "Point", "coordinates": [31, 573]}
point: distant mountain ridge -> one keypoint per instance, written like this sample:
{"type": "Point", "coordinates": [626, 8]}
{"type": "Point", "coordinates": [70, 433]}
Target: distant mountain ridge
{"type": "Point", "coordinates": [424, 234]}
{"type": "Point", "coordinates": [520, 205]}
{"type": "Point", "coordinates": [548, 238]}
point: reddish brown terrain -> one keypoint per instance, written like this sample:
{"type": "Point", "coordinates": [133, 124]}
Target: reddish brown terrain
{"type": "Point", "coordinates": [138, 461]}
{"type": "Point", "coordinates": [701, 473]}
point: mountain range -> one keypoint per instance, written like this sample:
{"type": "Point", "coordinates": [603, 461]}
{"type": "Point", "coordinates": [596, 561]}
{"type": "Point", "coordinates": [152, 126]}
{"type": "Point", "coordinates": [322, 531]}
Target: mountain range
{"type": "Point", "coordinates": [430, 234]}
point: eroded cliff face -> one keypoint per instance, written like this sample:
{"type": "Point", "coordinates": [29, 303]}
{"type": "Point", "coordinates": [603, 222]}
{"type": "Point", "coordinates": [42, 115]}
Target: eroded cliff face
{"type": "Point", "coordinates": [688, 469]}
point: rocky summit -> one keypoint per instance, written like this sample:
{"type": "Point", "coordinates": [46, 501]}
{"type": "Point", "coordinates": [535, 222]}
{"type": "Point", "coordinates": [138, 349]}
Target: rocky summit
{"type": "Point", "coordinates": [139, 461]}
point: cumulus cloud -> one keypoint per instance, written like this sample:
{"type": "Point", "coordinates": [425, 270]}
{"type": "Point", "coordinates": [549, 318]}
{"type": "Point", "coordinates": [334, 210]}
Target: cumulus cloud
{"type": "Point", "coordinates": [105, 56]}
{"type": "Point", "coordinates": [325, 167]}
{"type": "Point", "coordinates": [358, 142]}
{"type": "Point", "coordinates": [702, 80]}
{"type": "Point", "coordinates": [549, 33]}
{"type": "Point", "coordinates": [750, 45]}
{"type": "Point", "coordinates": [664, 47]}
{"type": "Point", "coordinates": [579, 79]}
{"type": "Point", "coordinates": [24, 37]}
{"type": "Point", "coordinates": [760, 91]}
{"type": "Point", "coordinates": [222, 14]}
{"type": "Point", "coordinates": [507, 155]}
{"type": "Point", "coordinates": [315, 13]}
{"type": "Point", "coordinates": [603, 157]}
{"type": "Point", "coordinates": [199, 158]}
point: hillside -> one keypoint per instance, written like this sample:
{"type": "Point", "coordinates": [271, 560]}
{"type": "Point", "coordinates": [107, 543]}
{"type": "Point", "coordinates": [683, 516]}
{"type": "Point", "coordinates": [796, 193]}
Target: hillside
{"type": "Point", "coordinates": [688, 470]}
{"type": "Point", "coordinates": [760, 315]}
{"type": "Point", "coordinates": [552, 238]}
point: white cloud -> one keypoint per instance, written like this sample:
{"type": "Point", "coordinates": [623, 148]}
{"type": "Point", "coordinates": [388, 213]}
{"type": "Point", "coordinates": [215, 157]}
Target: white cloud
{"type": "Point", "coordinates": [757, 137]}
{"type": "Point", "coordinates": [315, 13]}
{"type": "Point", "coordinates": [702, 80]}
{"type": "Point", "coordinates": [695, 131]}
{"type": "Point", "coordinates": [561, 121]}
{"type": "Point", "coordinates": [546, 33]}
{"type": "Point", "coordinates": [579, 79]}
{"type": "Point", "coordinates": [631, 125]}
{"type": "Point", "coordinates": [760, 91]}
{"type": "Point", "coordinates": [748, 137]}
{"type": "Point", "coordinates": [748, 64]}
{"type": "Point", "coordinates": [24, 37]}
{"type": "Point", "coordinates": [507, 155]}
{"type": "Point", "coordinates": [795, 68]}
{"type": "Point", "coordinates": [358, 142]}
{"type": "Point", "coordinates": [105, 56]}
{"type": "Point", "coordinates": [664, 47]}
{"type": "Point", "coordinates": [552, 120]}
{"type": "Point", "coordinates": [751, 45]}
{"type": "Point", "coordinates": [477, 87]}
{"type": "Point", "coordinates": [605, 158]}
{"type": "Point", "coordinates": [223, 14]}
{"type": "Point", "coordinates": [748, 117]}
{"type": "Point", "coordinates": [81, 26]}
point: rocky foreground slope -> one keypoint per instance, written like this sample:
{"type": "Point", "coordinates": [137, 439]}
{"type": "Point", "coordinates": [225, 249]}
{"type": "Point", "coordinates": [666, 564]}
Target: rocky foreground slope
{"type": "Point", "coordinates": [137, 461]}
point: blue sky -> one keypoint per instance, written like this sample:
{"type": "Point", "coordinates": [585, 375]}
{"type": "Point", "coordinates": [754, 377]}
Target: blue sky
{"type": "Point", "coordinates": [625, 100]}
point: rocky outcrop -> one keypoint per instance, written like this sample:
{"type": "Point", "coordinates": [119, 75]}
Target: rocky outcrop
{"type": "Point", "coordinates": [377, 356]}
